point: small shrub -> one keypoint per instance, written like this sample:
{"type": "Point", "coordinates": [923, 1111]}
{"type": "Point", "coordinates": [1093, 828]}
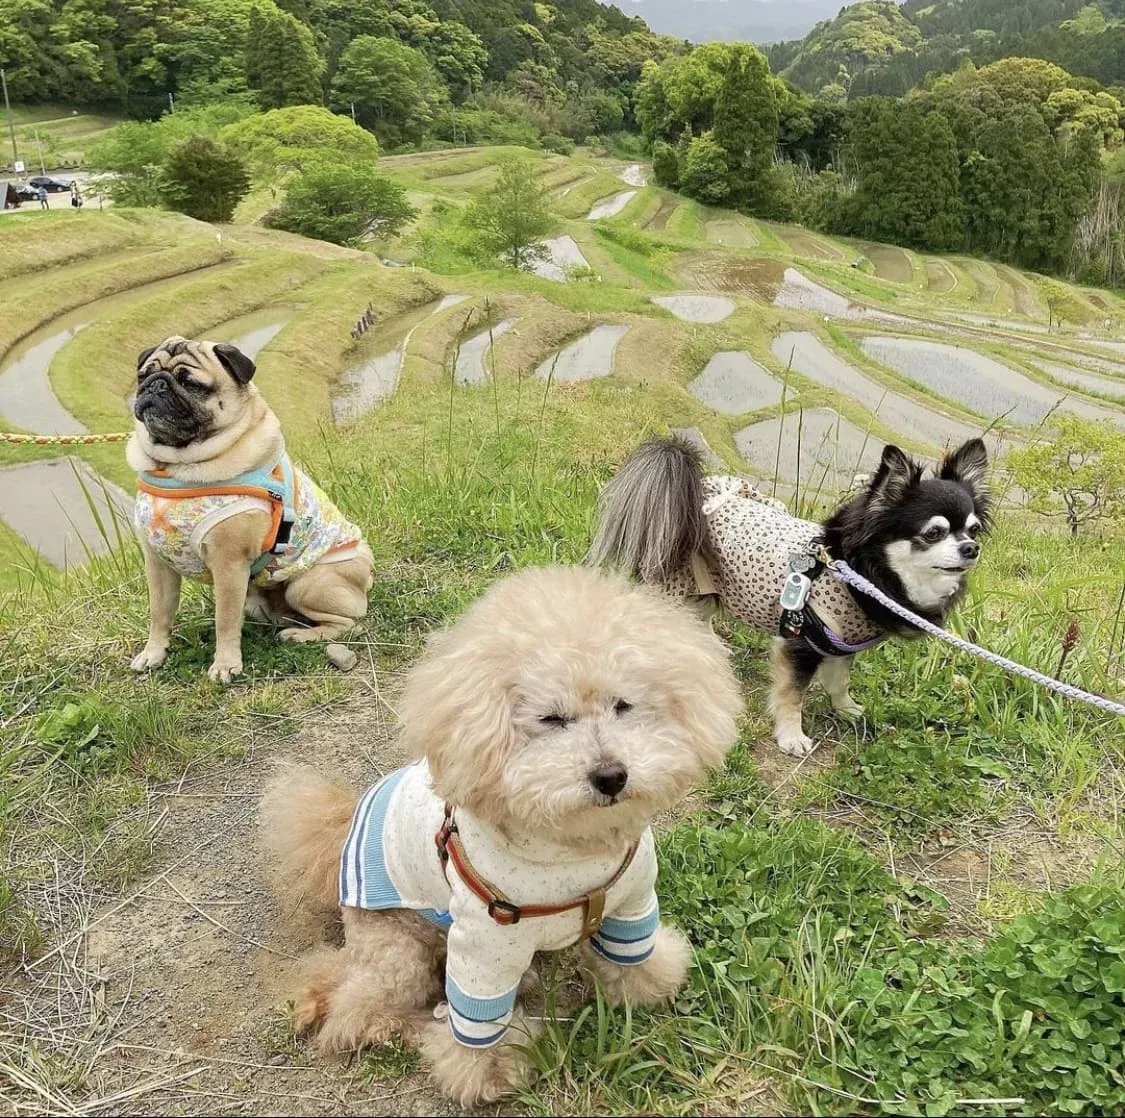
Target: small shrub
{"type": "Point", "coordinates": [560, 145]}
{"type": "Point", "coordinates": [343, 203]}
{"type": "Point", "coordinates": [1078, 474]}
{"type": "Point", "coordinates": [203, 180]}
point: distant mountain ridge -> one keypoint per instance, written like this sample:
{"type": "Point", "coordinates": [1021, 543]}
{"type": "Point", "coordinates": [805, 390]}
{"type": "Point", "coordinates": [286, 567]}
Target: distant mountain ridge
{"type": "Point", "coordinates": [755, 21]}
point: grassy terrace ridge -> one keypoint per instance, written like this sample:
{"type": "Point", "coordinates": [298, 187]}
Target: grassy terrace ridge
{"type": "Point", "coordinates": [928, 911]}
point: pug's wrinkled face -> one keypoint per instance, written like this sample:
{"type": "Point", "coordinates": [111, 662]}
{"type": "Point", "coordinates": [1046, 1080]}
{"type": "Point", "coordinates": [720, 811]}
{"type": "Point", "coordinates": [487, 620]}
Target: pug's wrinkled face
{"type": "Point", "coordinates": [188, 391]}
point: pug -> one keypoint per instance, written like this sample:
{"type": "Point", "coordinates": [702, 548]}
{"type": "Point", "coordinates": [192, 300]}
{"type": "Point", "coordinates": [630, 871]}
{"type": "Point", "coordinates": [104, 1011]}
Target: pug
{"type": "Point", "coordinates": [219, 500]}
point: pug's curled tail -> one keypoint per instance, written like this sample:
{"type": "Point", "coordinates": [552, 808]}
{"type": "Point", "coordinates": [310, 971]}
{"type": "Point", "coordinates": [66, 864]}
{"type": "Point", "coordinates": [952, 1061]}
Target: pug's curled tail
{"type": "Point", "coordinates": [305, 820]}
{"type": "Point", "coordinates": [650, 520]}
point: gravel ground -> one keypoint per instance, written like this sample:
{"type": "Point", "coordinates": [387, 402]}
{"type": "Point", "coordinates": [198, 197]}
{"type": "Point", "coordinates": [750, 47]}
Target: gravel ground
{"type": "Point", "coordinates": [193, 970]}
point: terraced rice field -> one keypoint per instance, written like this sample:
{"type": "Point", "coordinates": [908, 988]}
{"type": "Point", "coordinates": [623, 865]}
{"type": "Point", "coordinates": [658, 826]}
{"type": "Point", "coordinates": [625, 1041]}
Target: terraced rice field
{"type": "Point", "coordinates": [986, 282]}
{"type": "Point", "coordinates": [731, 232]}
{"type": "Point", "coordinates": [889, 262]}
{"type": "Point", "coordinates": [589, 357]}
{"type": "Point", "coordinates": [804, 243]}
{"type": "Point", "coordinates": [820, 450]}
{"type": "Point", "coordinates": [759, 279]}
{"type": "Point", "coordinates": [906, 416]}
{"type": "Point", "coordinates": [658, 219]}
{"type": "Point", "coordinates": [985, 386]}
{"type": "Point", "coordinates": [733, 384]}
{"type": "Point", "coordinates": [940, 277]}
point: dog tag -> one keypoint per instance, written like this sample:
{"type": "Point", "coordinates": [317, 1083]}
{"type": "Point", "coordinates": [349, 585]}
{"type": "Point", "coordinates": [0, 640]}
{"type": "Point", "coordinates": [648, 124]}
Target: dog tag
{"type": "Point", "coordinates": [795, 592]}
{"type": "Point", "coordinates": [801, 564]}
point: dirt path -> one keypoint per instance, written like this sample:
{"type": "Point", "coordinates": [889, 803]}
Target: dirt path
{"type": "Point", "coordinates": [192, 972]}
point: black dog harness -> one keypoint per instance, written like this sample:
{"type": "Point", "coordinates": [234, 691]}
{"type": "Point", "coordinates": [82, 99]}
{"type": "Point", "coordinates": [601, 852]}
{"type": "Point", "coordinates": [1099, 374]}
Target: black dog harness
{"type": "Point", "coordinates": [799, 621]}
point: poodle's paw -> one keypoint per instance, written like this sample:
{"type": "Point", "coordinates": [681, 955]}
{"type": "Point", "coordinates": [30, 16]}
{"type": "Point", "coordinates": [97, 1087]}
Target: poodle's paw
{"type": "Point", "coordinates": [225, 669]}
{"type": "Point", "coordinates": [151, 656]}
{"type": "Point", "coordinates": [309, 1012]}
{"type": "Point", "coordinates": [795, 743]}
{"type": "Point", "coordinates": [474, 1076]}
{"type": "Point", "coordinates": [655, 980]}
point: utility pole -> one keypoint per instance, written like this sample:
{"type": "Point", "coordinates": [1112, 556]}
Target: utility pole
{"type": "Point", "coordinates": [11, 124]}
{"type": "Point", "coordinates": [42, 165]}
{"type": "Point", "coordinates": [353, 112]}
{"type": "Point", "coordinates": [171, 103]}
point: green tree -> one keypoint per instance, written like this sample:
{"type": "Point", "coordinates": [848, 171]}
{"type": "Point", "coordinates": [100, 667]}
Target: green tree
{"type": "Point", "coordinates": [135, 151]}
{"type": "Point", "coordinates": [203, 180]}
{"type": "Point", "coordinates": [393, 87]}
{"type": "Point", "coordinates": [1078, 474]}
{"type": "Point", "coordinates": [746, 124]}
{"type": "Point", "coordinates": [285, 140]}
{"type": "Point", "coordinates": [283, 66]}
{"type": "Point", "coordinates": [705, 174]}
{"type": "Point", "coordinates": [908, 171]}
{"type": "Point", "coordinates": [512, 217]}
{"type": "Point", "coordinates": [665, 165]}
{"type": "Point", "coordinates": [344, 203]}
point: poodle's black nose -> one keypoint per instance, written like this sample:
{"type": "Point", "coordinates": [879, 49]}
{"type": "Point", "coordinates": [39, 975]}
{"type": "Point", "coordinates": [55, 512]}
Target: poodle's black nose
{"type": "Point", "coordinates": [970, 549]}
{"type": "Point", "coordinates": [609, 779]}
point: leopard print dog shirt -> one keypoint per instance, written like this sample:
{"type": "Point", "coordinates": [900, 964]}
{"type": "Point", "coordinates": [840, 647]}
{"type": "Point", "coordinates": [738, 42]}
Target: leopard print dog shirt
{"type": "Point", "coordinates": [751, 538]}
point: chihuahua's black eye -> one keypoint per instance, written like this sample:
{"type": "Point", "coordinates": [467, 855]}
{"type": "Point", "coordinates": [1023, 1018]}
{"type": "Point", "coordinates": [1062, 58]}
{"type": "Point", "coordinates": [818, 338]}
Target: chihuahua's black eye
{"type": "Point", "coordinates": [933, 534]}
{"type": "Point", "coordinates": [555, 720]}
{"type": "Point", "coordinates": [622, 707]}
{"type": "Point", "coordinates": [973, 530]}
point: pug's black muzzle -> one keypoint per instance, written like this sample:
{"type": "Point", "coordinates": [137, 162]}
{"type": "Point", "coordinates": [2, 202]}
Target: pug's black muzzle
{"type": "Point", "coordinates": [168, 414]}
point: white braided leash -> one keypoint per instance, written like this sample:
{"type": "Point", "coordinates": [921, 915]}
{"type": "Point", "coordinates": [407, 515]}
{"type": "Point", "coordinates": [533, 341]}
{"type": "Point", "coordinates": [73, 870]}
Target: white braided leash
{"type": "Point", "coordinates": [843, 572]}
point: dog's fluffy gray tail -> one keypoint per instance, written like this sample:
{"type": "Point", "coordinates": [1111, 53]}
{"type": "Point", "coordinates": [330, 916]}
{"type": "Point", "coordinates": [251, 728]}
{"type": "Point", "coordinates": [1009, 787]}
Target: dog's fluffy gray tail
{"type": "Point", "coordinates": [651, 513]}
{"type": "Point", "coordinates": [305, 820]}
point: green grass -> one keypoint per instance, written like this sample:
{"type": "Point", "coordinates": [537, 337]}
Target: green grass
{"type": "Point", "coordinates": [931, 916]}
{"type": "Point", "coordinates": [64, 133]}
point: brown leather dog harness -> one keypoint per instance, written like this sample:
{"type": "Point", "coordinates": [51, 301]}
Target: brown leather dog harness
{"type": "Point", "coordinates": [500, 908]}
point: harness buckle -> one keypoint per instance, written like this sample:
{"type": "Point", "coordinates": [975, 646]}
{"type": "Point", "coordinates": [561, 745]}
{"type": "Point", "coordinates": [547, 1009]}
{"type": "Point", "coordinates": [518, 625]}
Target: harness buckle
{"type": "Point", "coordinates": [504, 912]}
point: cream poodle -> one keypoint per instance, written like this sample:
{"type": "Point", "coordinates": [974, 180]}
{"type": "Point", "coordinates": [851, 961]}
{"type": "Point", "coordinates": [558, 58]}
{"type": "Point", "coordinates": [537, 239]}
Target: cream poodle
{"type": "Point", "coordinates": [551, 724]}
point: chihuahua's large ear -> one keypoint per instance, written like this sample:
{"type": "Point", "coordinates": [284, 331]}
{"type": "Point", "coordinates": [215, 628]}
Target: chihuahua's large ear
{"type": "Point", "coordinates": [235, 362]}
{"type": "Point", "coordinates": [896, 475]}
{"type": "Point", "coordinates": [968, 464]}
{"type": "Point", "coordinates": [144, 355]}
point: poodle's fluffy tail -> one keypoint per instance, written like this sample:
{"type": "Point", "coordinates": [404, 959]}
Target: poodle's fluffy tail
{"type": "Point", "coordinates": [651, 513]}
{"type": "Point", "coordinates": [305, 820]}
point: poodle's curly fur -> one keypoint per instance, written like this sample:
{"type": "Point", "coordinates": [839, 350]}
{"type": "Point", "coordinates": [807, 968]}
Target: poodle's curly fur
{"type": "Point", "coordinates": [559, 638]}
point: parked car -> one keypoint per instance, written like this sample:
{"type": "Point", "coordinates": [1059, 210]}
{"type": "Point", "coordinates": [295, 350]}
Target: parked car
{"type": "Point", "coordinates": [26, 192]}
{"type": "Point", "coordinates": [51, 185]}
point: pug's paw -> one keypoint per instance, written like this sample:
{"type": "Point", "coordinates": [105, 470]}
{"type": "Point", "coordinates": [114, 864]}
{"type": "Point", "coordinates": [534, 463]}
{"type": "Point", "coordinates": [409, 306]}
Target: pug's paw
{"type": "Point", "coordinates": [151, 656]}
{"type": "Point", "coordinates": [224, 670]}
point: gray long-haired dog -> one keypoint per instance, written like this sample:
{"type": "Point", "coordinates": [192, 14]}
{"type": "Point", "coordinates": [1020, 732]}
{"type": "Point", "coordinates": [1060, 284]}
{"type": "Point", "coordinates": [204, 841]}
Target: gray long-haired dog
{"type": "Point", "coordinates": [718, 541]}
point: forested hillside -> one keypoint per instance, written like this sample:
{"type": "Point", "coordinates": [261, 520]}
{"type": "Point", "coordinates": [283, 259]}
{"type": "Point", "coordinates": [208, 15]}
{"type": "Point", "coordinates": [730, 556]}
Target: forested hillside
{"type": "Point", "coordinates": [892, 123]}
{"type": "Point", "coordinates": [883, 47]}
{"type": "Point", "coordinates": [577, 57]}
